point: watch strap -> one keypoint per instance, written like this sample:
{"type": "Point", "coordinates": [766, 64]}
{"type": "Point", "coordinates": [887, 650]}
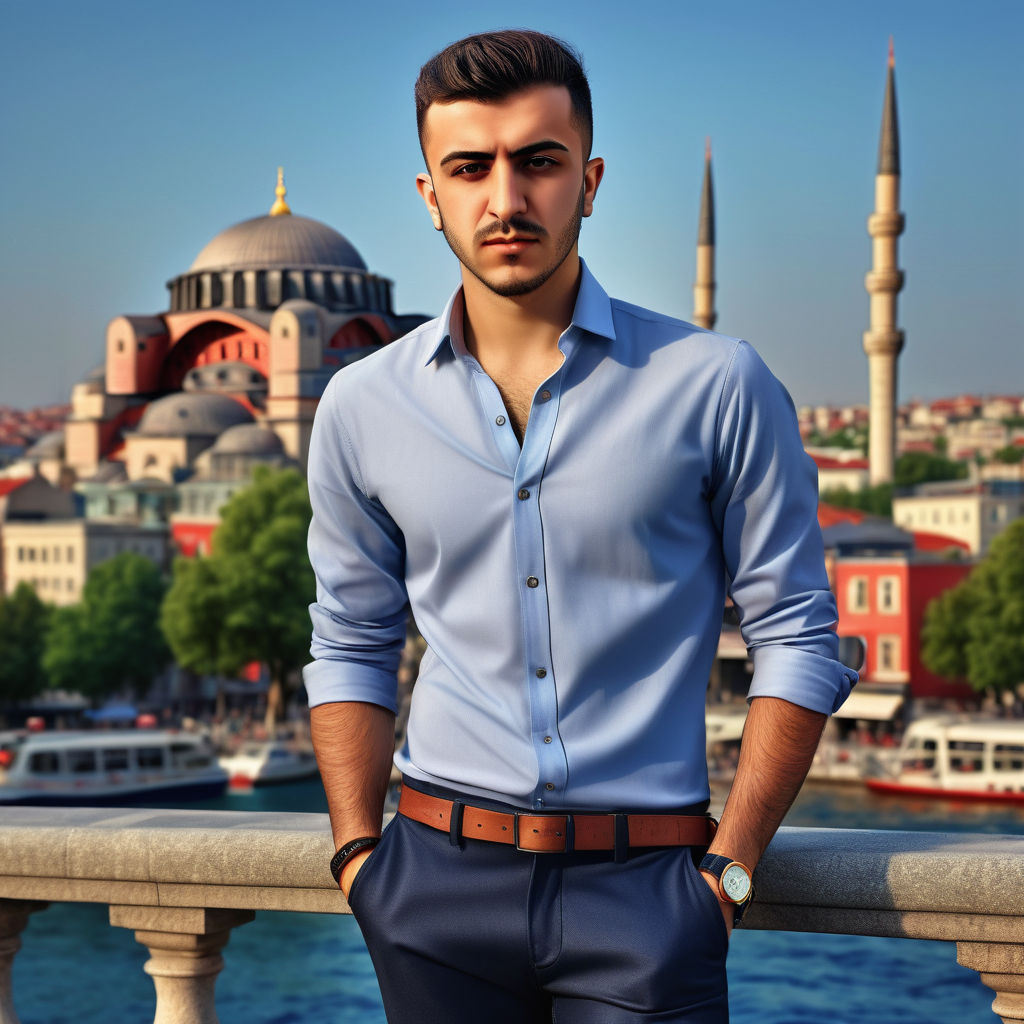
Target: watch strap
{"type": "Point", "coordinates": [348, 851]}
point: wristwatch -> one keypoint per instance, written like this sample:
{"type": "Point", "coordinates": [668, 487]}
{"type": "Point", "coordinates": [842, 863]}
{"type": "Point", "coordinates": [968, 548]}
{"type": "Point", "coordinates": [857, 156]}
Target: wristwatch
{"type": "Point", "coordinates": [734, 882]}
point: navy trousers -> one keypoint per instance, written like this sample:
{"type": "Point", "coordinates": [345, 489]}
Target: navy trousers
{"type": "Point", "coordinates": [480, 933]}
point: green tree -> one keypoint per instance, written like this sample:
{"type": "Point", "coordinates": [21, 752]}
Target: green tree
{"type": "Point", "coordinates": [23, 624]}
{"type": "Point", "coordinates": [249, 599]}
{"type": "Point", "coordinates": [914, 468]}
{"type": "Point", "coordinates": [110, 639]}
{"type": "Point", "coordinates": [976, 629]}
{"type": "Point", "coordinates": [875, 500]}
{"type": "Point", "coordinates": [1010, 455]}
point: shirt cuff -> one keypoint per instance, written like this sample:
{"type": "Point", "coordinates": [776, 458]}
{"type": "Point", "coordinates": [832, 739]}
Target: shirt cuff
{"type": "Point", "coordinates": [802, 677]}
{"type": "Point", "coordinates": [328, 682]}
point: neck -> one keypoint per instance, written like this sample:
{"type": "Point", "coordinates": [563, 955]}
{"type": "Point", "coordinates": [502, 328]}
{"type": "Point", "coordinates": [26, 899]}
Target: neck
{"type": "Point", "coordinates": [498, 327]}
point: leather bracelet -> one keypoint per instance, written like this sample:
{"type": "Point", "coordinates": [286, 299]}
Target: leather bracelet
{"type": "Point", "coordinates": [348, 851]}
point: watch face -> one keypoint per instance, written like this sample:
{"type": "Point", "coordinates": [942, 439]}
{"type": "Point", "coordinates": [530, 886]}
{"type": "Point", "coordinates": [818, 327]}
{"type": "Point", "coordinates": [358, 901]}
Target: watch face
{"type": "Point", "coordinates": [735, 883]}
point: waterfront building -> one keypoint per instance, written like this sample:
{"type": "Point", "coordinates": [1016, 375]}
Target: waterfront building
{"type": "Point", "coordinates": [884, 579]}
{"type": "Point", "coordinates": [974, 513]}
{"type": "Point", "coordinates": [55, 557]}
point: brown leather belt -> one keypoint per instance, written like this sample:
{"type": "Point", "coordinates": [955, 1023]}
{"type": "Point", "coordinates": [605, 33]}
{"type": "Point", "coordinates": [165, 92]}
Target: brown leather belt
{"type": "Point", "coordinates": [557, 833]}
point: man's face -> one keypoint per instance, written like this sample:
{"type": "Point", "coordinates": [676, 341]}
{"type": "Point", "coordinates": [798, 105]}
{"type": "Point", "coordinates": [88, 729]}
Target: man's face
{"type": "Point", "coordinates": [508, 185]}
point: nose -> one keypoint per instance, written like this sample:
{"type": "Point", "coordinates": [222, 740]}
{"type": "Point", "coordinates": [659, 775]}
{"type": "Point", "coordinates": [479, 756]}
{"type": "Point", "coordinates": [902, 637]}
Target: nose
{"type": "Point", "coordinates": [507, 196]}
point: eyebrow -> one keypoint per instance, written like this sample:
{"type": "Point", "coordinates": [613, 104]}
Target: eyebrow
{"type": "Point", "coordinates": [533, 147]}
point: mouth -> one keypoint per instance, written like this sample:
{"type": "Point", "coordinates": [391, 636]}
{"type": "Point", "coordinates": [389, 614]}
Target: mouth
{"type": "Point", "coordinates": [514, 244]}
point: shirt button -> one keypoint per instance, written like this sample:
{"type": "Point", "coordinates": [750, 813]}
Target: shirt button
{"type": "Point", "coordinates": [545, 395]}
{"type": "Point", "coordinates": [538, 802]}
{"type": "Point", "coordinates": [547, 739]}
{"type": "Point", "coordinates": [523, 494]}
{"type": "Point", "coordinates": [500, 420]}
{"type": "Point", "coordinates": [532, 581]}
{"type": "Point", "coordinates": [541, 673]}
{"type": "Point", "coordinates": [549, 785]}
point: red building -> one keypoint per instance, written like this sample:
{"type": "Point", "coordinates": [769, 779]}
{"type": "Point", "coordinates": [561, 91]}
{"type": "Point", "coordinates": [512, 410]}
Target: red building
{"type": "Point", "coordinates": [883, 598]}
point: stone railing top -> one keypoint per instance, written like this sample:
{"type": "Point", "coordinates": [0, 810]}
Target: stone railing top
{"type": "Point", "coordinates": [278, 861]}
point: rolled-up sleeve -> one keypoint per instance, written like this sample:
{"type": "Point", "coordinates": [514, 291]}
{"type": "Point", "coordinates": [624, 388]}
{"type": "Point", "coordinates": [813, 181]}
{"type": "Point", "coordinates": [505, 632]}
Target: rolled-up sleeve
{"type": "Point", "coordinates": [358, 556]}
{"type": "Point", "coordinates": [764, 502]}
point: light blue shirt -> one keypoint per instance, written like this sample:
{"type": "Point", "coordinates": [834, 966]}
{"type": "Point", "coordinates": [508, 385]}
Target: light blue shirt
{"type": "Point", "coordinates": [570, 592]}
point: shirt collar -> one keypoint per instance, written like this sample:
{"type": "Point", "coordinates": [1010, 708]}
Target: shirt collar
{"type": "Point", "coordinates": [592, 313]}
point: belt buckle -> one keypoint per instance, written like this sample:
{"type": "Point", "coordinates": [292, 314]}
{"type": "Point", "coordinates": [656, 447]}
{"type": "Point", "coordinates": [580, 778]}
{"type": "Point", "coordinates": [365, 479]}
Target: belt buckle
{"type": "Point", "coordinates": [566, 828]}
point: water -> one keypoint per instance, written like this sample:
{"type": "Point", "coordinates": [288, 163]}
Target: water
{"type": "Point", "coordinates": [303, 968]}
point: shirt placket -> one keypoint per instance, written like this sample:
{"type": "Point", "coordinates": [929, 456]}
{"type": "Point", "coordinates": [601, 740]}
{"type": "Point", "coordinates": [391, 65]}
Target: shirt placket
{"type": "Point", "coordinates": [527, 464]}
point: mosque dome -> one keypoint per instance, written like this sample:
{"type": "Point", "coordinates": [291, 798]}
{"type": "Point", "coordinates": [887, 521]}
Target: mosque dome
{"type": "Point", "coordinates": [190, 414]}
{"type": "Point", "coordinates": [248, 439]}
{"type": "Point", "coordinates": [266, 261]}
{"type": "Point", "coordinates": [276, 241]}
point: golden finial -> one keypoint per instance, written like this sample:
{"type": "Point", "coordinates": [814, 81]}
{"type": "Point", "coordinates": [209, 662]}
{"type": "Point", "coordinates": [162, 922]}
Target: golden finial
{"type": "Point", "coordinates": [892, 55]}
{"type": "Point", "coordinates": [280, 206]}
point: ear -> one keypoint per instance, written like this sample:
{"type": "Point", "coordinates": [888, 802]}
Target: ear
{"type": "Point", "coordinates": [591, 180]}
{"type": "Point", "coordinates": [425, 187]}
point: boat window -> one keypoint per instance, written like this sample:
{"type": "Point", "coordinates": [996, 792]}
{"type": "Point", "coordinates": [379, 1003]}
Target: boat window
{"type": "Point", "coordinates": [115, 759]}
{"type": "Point", "coordinates": [44, 762]}
{"type": "Point", "coordinates": [280, 755]}
{"type": "Point", "coordinates": [149, 757]}
{"type": "Point", "coordinates": [188, 755]}
{"type": "Point", "coordinates": [1008, 757]}
{"type": "Point", "coordinates": [966, 755]}
{"type": "Point", "coordinates": [81, 761]}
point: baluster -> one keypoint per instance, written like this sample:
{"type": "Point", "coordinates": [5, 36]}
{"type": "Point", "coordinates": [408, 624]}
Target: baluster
{"type": "Point", "coordinates": [13, 919]}
{"type": "Point", "coordinates": [1001, 966]}
{"type": "Point", "coordinates": [184, 945]}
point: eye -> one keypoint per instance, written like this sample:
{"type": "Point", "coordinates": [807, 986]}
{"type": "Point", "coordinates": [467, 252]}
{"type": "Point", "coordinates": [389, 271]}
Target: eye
{"type": "Point", "coordinates": [538, 163]}
{"type": "Point", "coordinates": [469, 169]}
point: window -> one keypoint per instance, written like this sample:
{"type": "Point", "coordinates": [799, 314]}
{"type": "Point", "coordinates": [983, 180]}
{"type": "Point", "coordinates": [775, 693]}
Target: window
{"type": "Point", "coordinates": [31, 554]}
{"type": "Point", "coordinates": [888, 654]}
{"type": "Point", "coordinates": [920, 756]}
{"type": "Point", "coordinates": [966, 755]}
{"type": "Point", "coordinates": [1008, 757]}
{"type": "Point", "coordinates": [115, 760]}
{"type": "Point", "coordinates": [150, 757]}
{"type": "Point", "coordinates": [21, 554]}
{"type": "Point", "coordinates": [81, 762]}
{"type": "Point", "coordinates": [71, 553]}
{"type": "Point", "coordinates": [857, 594]}
{"type": "Point", "coordinates": [889, 594]}
{"type": "Point", "coordinates": [44, 762]}
{"type": "Point", "coordinates": [56, 553]}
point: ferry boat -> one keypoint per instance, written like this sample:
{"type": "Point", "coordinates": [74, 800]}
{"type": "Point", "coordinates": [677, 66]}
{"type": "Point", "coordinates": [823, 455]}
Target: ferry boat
{"type": "Point", "coordinates": [958, 757]}
{"type": "Point", "coordinates": [264, 762]}
{"type": "Point", "coordinates": [104, 768]}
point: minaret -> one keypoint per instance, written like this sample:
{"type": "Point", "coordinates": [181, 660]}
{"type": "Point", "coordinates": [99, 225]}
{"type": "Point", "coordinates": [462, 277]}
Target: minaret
{"type": "Point", "coordinates": [704, 314]}
{"type": "Point", "coordinates": [883, 340]}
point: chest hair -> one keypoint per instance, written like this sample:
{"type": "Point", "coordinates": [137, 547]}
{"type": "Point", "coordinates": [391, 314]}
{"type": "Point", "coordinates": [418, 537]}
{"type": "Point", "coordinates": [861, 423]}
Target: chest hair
{"type": "Point", "coordinates": [517, 394]}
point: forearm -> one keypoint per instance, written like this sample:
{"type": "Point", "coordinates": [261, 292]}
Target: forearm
{"type": "Point", "coordinates": [354, 743]}
{"type": "Point", "coordinates": [779, 741]}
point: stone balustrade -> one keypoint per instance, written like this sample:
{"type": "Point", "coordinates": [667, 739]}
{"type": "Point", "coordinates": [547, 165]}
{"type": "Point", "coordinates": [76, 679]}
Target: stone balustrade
{"type": "Point", "coordinates": [181, 880]}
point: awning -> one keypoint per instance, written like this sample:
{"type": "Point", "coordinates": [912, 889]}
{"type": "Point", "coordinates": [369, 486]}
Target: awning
{"type": "Point", "coordinates": [873, 707]}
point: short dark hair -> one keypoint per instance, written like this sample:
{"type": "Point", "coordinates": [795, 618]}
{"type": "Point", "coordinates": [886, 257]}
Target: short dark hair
{"type": "Point", "coordinates": [494, 65]}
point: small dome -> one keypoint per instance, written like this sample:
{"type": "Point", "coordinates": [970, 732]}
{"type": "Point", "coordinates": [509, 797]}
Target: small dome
{"type": "Point", "coordinates": [48, 446]}
{"type": "Point", "coordinates": [248, 439]}
{"type": "Point", "coordinates": [287, 242]}
{"type": "Point", "coordinates": [192, 415]}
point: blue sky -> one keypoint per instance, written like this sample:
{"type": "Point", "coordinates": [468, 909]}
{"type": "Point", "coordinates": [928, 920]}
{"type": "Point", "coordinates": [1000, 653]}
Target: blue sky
{"type": "Point", "coordinates": [134, 132]}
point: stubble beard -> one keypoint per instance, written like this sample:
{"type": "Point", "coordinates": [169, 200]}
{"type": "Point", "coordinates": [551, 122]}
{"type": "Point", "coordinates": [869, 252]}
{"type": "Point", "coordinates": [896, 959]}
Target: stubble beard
{"type": "Point", "coordinates": [567, 239]}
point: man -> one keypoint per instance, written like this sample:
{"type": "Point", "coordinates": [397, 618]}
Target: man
{"type": "Point", "coordinates": [557, 484]}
